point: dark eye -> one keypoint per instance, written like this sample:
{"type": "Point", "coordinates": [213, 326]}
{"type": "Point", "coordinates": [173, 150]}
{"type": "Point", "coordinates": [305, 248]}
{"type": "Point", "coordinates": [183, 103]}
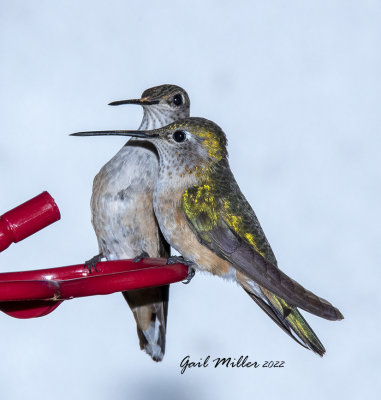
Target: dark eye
{"type": "Point", "coordinates": [177, 100]}
{"type": "Point", "coordinates": [179, 136]}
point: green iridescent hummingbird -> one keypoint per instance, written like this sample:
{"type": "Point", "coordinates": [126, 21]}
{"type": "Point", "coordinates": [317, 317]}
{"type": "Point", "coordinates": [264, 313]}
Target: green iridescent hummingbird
{"type": "Point", "coordinates": [203, 214]}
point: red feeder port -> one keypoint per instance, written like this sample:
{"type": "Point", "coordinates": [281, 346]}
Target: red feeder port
{"type": "Point", "coordinates": [27, 219]}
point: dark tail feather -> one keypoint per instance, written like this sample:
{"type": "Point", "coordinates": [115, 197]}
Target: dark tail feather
{"type": "Point", "coordinates": [290, 320]}
{"type": "Point", "coordinates": [150, 307]}
{"type": "Point", "coordinates": [274, 316]}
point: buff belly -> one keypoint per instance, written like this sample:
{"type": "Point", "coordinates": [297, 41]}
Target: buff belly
{"type": "Point", "coordinates": [121, 204]}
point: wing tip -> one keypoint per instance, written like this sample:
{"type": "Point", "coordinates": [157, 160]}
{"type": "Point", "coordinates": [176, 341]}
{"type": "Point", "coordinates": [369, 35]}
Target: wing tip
{"type": "Point", "coordinates": [333, 314]}
{"type": "Point", "coordinates": [339, 315]}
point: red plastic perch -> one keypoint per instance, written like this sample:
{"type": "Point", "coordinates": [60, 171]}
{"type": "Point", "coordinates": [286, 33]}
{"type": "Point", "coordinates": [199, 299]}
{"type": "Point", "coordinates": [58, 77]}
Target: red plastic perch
{"type": "Point", "coordinates": [30, 294]}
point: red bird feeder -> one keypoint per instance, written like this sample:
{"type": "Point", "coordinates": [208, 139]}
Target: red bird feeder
{"type": "Point", "coordinates": [30, 294]}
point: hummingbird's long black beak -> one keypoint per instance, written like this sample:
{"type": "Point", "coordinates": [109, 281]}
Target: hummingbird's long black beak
{"type": "Point", "coordinates": [138, 134]}
{"type": "Point", "coordinates": [143, 102]}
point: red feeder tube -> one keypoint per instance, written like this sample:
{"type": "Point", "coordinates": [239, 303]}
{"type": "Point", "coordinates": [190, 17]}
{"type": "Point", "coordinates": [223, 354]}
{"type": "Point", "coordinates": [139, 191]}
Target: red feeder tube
{"type": "Point", "coordinates": [27, 219]}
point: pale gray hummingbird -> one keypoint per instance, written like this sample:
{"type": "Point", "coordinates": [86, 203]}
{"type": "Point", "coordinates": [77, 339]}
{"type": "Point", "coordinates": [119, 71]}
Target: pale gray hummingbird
{"type": "Point", "coordinates": [203, 214]}
{"type": "Point", "coordinates": [123, 216]}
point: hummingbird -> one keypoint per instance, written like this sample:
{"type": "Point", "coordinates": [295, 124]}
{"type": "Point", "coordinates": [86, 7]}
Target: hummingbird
{"type": "Point", "coordinates": [123, 216]}
{"type": "Point", "coordinates": [203, 214]}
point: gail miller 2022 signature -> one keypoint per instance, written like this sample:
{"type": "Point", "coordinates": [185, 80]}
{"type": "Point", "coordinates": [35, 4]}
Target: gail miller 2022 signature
{"type": "Point", "coordinates": [242, 362]}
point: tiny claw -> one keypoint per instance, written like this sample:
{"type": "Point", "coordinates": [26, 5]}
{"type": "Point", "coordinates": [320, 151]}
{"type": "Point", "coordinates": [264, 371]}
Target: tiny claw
{"type": "Point", "coordinates": [92, 263]}
{"type": "Point", "coordinates": [139, 258]}
{"type": "Point", "coordinates": [188, 263]}
{"type": "Point", "coordinates": [89, 265]}
{"type": "Point", "coordinates": [191, 274]}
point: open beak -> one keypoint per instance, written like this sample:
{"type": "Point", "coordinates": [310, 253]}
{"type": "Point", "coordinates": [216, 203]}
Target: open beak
{"type": "Point", "coordinates": [146, 101]}
{"type": "Point", "coordinates": [138, 134]}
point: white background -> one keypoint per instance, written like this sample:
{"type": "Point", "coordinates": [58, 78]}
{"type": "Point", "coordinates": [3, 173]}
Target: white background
{"type": "Point", "coordinates": [296, 87]}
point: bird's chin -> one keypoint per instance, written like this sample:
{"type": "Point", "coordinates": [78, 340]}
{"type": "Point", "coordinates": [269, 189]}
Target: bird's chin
{"type": "Point", "coordinates": [160, 115]}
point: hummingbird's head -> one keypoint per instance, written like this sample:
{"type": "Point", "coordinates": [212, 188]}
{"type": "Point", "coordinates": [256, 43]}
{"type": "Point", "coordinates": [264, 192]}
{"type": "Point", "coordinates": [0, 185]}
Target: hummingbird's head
{"type": "Point", "coordinates": [161, 104]}
{"type": "Point", "coordinates": [191, 142]}
{"type": "Point", "coordinates": [187, 147]}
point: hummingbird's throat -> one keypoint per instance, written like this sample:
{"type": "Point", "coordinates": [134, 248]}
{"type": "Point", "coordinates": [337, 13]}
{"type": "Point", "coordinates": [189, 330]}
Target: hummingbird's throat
{"type": "Point", "coordinates": [197, 170]}
{"type": "Point", "coordinates": [156, 116]}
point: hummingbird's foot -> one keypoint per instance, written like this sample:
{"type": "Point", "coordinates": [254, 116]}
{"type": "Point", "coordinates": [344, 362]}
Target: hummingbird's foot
{"type": "Point", "coordinates": [191, 274]}
{"type": "Point", "coordinates": [139, 258]}
{"type": "Point", "coordinates": [176, 260]}
{"type": "Point", "coordinates": [188, 263]}
{"type": "Point", "coordinates": [92, 263]}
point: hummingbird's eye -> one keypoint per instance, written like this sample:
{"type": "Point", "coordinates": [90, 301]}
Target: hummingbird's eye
{"type": "Point", "coordinates": [179, 136]}
{"type": "Point", "coordinates": [177, 100]}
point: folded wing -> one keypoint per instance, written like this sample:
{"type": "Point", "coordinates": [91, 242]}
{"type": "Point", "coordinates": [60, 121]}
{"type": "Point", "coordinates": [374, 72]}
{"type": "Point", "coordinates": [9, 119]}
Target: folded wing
{"type": "Point", "coordinates": [225, 223]}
